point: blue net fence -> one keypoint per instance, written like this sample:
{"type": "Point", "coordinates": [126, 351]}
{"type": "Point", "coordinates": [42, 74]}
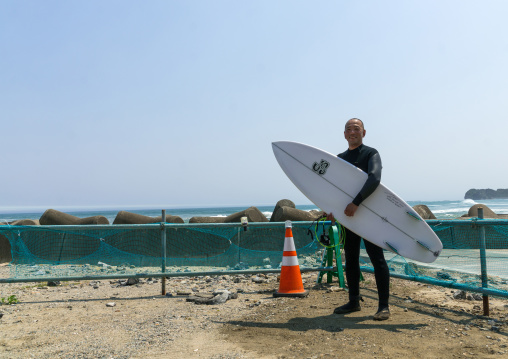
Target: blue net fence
{"type": "Point", "coordinates": [67, 251]}
{"type": "Point", "coordinates": [474, 257]}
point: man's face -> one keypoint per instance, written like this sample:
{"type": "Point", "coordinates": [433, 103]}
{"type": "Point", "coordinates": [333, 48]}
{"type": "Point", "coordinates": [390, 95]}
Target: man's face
{"type": "Point", "coordinates": [354, 133]}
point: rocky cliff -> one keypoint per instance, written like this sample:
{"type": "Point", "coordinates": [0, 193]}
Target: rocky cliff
{"type": "Point", "coordinates": [486, 193]}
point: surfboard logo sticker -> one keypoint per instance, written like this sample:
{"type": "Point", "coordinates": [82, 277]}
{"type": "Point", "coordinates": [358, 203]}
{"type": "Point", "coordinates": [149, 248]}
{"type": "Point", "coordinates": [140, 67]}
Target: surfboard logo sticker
{"type": "Point", "coordinates": [321, 167]}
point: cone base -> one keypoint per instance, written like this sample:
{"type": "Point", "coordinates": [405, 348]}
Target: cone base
{"type": "Point", "coordinates": [299, 295]}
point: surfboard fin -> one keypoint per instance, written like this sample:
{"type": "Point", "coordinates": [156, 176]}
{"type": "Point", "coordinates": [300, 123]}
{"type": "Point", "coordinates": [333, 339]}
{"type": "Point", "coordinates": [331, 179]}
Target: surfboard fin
{"type": "Point", "coordinates": [414, 215]}
{"type": "Point", "coordinates": [436, 253]}
{"type": "Point", "coordinates": [423, 245]}
{"type": "Point", "coordinates": [393, 249]}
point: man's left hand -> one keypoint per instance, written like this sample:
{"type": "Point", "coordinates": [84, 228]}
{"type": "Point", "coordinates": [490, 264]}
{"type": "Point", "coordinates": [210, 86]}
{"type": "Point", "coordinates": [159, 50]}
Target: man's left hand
{"type": "Point", "coordinates": [350, 210]}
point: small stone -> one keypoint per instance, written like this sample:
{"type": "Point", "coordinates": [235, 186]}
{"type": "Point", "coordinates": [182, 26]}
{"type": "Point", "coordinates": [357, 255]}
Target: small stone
{"type": "Point", "coordinates": [132, 281]}
{"type": "Point", "coordinates": [335, 289]}
{"type": "Point", "coordinates": [110, 304]}
{"type": "Point", "coordinates": [460, 294]}
{"type": "Point", "coordinates": [444, 275]}
{"type": "Point", "coordinates": [477, 296]}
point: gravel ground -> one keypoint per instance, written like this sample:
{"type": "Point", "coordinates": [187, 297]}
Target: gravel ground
{"type": "Point", "coordinates": [108, 319]}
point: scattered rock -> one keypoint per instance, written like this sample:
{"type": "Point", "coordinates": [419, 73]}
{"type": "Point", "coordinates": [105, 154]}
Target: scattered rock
{"type": "Point", "coordinates": [132, 281]}
{"type": "Point", "coordinates": [216, 298]}
{"type": "Point", "coordinates": [444, 275]}
{"type": "Point", "coordinates": [335, 289]}
{"type": "Point", "coordinates": [110, 304]}
{"type": "Point", "coordinates": [459, 294]}
{"type": "Point", "coordinates": [474, 296]}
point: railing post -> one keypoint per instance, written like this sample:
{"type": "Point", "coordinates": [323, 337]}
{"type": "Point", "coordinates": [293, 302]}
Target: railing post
{"type": "Point", "coordinates": [483, 261]}
{"type": "Point", "coordinates": [163, 245]}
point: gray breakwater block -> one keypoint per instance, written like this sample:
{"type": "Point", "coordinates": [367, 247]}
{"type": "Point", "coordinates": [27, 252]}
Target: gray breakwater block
{"type": "Point", "coordinates": [52, 217]}
{"type": "Point", "coordinates": [292, 214]}
{"type": "Point", "coordinates": [253, 214]}
{"type": "Point", "coordinates": [124, 217]}
{"type": "Point", "coordinates": [280, 204]}
{"type": "Point", "coordinates": [207, 220]}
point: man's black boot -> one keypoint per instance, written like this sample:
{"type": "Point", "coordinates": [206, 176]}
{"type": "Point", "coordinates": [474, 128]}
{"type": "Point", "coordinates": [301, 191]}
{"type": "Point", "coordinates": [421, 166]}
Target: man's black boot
{"type": "Point", "coordinates": [352, 306]}
{"type": "Point", "coordinates": [383, 313]}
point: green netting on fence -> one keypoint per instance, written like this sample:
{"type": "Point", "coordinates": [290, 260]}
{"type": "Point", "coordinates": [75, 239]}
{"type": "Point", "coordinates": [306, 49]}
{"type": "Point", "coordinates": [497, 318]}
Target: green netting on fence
{"type": "Point", "coordinates": [63, 251]}
{"type": "Point", "coordinates": [40, 252]}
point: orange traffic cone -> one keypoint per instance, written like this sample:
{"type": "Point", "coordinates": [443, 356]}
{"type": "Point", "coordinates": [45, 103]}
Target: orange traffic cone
{"type": "Point", "coordinates": [291, 284]}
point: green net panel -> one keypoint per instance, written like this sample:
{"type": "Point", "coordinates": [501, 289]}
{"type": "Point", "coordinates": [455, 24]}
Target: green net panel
{"type": "Point", "coordinates": [40, 252]}
{"type": "Point", "coordinates": [66, 251]}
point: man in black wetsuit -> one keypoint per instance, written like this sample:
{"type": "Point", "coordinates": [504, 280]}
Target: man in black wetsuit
{"type": "Point", "coordinates": [368, 160]}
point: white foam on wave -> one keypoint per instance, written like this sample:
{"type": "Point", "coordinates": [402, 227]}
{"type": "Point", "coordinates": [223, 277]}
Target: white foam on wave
{"type": "Point", "coordinates": [451, 210]}
{"type": "Point", "coordinates": [469, 202]}
{"type": "Point", "coordinates": [268, 214]}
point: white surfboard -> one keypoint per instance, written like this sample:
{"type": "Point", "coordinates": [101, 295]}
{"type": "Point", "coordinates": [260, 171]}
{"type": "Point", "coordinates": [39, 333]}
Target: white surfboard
{"type": "Point", "coordinates": [383, 218]}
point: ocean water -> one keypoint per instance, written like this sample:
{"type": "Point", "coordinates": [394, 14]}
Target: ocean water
{"type": "Point", "coordinates": [441, 209]}
{"type": "Point", "coordinates": [455, 209]}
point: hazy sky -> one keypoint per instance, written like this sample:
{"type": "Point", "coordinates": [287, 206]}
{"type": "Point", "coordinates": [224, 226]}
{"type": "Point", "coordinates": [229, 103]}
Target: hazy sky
{"type": "Point", "coordinates": [176, 103]}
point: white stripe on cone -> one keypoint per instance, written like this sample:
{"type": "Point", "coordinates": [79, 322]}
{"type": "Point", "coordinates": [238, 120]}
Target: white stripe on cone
{"type": "Point", "coordinates": [290, 261]}
{"type": "Point", "coordinates": [289, 244]}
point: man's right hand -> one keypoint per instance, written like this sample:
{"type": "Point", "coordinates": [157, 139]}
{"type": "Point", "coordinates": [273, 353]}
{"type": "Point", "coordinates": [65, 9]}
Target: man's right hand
{"type": "Point", "coordinates": [329, 217]}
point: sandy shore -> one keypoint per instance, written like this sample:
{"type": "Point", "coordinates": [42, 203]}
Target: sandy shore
{"type": "Point", "coordinates": [104, 319]}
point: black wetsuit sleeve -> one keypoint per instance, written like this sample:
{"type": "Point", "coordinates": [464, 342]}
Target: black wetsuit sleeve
{"type": "Point", "coordinates": [373, 179]}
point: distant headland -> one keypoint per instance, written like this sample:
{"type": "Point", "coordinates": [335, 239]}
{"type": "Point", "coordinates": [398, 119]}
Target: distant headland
{"type": "Point", "coordinates": [486, 193]}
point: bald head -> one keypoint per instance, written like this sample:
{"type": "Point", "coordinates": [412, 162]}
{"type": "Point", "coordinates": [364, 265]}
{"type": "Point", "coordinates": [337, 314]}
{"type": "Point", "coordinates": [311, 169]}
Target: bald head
{"type": "Point", "coordinates": [354, 133]}
{"type": "Point", "coordinates": [355, 120]}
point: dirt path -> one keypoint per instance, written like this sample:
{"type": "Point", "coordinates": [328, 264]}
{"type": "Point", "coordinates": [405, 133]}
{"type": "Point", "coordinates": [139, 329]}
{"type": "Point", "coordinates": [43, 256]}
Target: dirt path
{"type": "Point", "coordinates": [75, 320]}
